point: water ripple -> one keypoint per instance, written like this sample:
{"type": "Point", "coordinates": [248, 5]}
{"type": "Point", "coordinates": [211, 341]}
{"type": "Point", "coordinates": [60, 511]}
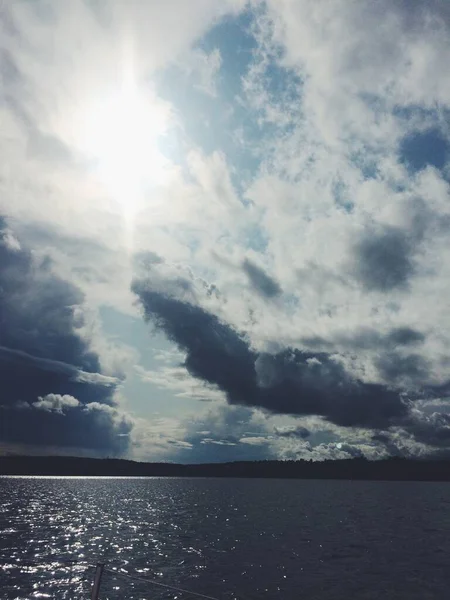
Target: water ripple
{"type": "Point", "coordinates": [226, 538]}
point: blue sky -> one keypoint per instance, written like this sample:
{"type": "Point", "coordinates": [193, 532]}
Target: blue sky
{"type": "Point", "coordinates": [224, 229]}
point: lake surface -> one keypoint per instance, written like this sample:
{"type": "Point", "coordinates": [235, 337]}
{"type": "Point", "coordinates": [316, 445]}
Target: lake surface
{"type": "Point", "coordinates": [228, 538]}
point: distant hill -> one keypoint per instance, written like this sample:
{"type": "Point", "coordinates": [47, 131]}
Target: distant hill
{"type": "Point", "coordinates": [392, 469]}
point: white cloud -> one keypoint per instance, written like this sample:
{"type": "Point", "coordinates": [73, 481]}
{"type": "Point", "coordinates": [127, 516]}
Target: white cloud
{"type": "Point", "coordinates": [72, 59]}
{"type": "Point", "coordinates": [254, 441]}
{"type": "Point", "coordinates": [56, 403]}
{"type": "Point", "coordinates": [11, 242]}
{"type": "Point", "coordinates": [389, 50]}
{"type": "Point", "coordinates": [158, 439]}
{"type": "Point", "coordinates": [180, 382]}
{"type": "Point", "coordinates": [346, 240]}
{"type": "Point", "coordinates": [203, 69]}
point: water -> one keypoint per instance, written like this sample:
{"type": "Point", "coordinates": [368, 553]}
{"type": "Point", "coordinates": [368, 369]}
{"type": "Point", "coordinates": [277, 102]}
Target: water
{"type": "Point", "coordinates": [227, 538]}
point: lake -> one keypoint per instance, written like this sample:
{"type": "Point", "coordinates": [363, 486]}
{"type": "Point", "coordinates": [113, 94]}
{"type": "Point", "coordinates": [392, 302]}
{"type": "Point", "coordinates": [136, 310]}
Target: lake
{"type": "Point", "coordinates": [227, 538]}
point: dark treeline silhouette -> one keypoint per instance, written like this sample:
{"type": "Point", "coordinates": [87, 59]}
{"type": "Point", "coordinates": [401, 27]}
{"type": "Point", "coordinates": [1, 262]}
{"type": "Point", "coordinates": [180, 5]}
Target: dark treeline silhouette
{"type": "Point", "coordinates": [356, 468]}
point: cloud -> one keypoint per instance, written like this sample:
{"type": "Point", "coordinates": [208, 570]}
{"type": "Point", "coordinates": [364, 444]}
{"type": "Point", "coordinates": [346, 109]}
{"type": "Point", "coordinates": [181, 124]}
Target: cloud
{"type": "Point", "coordinates": [203, 68]}
{"type": "Point", "coordinates": [46, 363]}
{"type": "Point", "coordinates": [180, 382]}
{"type": "Point", "coordinates": [225, 433]}
{"type": "Point", "coordinates": [56, 366]}
{"type": "Point", "coordinates": [56, 403]}
{"type": "Point", "coordinates": [57, 65]}
{"type": "Point", "coordinates": [367, 339]}
{"type": "Point", "coordinates": [293, 431]}
{"type": "Point", "coordinates": [262, 283]}
{"type": "Point", "coordinates": [297, 382]}
{"type": "Point", "coordinates": [294, 249]}
{"type": "Point", "coordinates": [405, 336]}
{"type": "Point", "coordinates": [290, 382]}
{"type": "Point", "coordinates": [254, 441]}
{"type": "Point", "coordinates": [433, 429]}
{"type": "Point", "coordinates": [403, 370]}
{"type": "Point", "coordinates": [383, 260]}
{"type": "Point", "coordinates": [383, 56]}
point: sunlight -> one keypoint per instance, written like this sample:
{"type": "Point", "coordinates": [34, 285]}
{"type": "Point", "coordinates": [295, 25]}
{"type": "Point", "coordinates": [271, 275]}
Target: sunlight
{"type": "Point", "coordinates": [120, 134]}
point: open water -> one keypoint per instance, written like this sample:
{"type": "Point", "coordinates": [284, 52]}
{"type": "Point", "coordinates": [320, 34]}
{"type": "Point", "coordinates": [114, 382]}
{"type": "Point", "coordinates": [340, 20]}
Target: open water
{"type": "Point", "coordinates": [227, 538]}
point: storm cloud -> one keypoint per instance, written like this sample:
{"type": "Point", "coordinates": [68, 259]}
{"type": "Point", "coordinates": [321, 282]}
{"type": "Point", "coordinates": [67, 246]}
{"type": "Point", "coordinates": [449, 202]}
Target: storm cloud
{"type": "Point", "coordinates": [290, 382]}
{"type": "Point", "coordinates": [300, 382]}
{"type": "Point", "coordinates": [45, 362]}
{"type": "Point", "coordinates": [366, 338]}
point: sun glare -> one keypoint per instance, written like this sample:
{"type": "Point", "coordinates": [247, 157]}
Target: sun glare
{"type": "Point", "coordinates": [120, 135]}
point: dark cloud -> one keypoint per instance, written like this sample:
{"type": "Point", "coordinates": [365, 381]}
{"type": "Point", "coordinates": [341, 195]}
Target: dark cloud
{"type": "Point", "coordinates": [433, 429]}
{"type": "Point", "coordinates": [418, 428]}
{"type": "Point", "coordinates": [262, 283]}
{"type": "Point", "coordinates": [424, 148]}
{"type": "Point", "coordinates": [338, 450]}
{"type": "Point", "coordinates": [385, 440]}
{"type": "Point", "coordinates": [43, 355]}
{"type": "Point", "coordinates": [290, 382]}
{"type": "Point", "coordinates": [399, 369]}
{"type": "Point", "coordinates": [381, 437]}
{"type": "Point", "coordinates": [366, 338]}
{"type": "Point", "coordinates": [405, 336]}
{"type": "Point", "coordinates": [383, 260]}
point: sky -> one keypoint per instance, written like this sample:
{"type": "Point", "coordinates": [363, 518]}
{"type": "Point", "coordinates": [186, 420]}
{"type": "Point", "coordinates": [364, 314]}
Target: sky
{"type": "Point", "coordinates": [225, 229]}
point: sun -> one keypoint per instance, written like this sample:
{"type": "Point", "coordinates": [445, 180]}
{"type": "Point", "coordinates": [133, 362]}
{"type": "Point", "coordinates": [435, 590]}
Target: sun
{"type": "Point", "coordinates": [120, 135]}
